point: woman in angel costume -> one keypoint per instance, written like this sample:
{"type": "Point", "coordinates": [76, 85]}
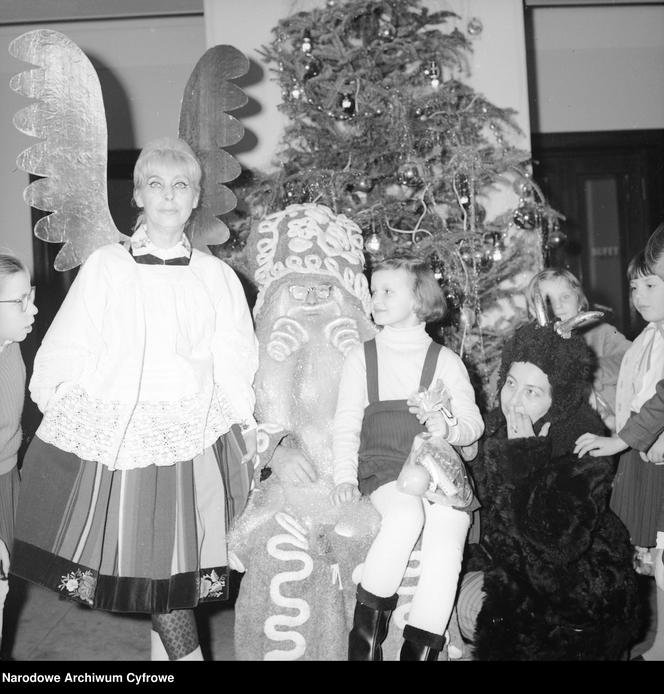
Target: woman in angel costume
{"type": "Point", "coordinates": [144, 379]}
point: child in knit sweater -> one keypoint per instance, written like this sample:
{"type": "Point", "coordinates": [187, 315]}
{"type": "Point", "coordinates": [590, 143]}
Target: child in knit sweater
{"type": "Point", "coordinates": [375, 423]}
{"type": "Point", "coordinates": [17, 314]}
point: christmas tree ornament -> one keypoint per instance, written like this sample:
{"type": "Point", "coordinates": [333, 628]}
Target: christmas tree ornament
{"type": "Point", "coordinates": [526, 216]}
{"type": "Point", "coordinates": [556, 238]}
{"type": "Point", "coordinates": [296, 92]}
{"type": "Point", "coordinates": [372, 243]}
{"type": "Point", "coordinates": [311, 67]}
{"type": "Point", "coordinates": [462, 189]}
{"type": "Point", "coordinates": [475, 26]}
{"type": "Point", "coordinates": [453, 296]}
{"type": "Point", "coordinates": [307, 45]}
{"type": "Point", "coordinates": [465, 252]}
{"type": "Point", "coordinates": [331, 3]}
{"type": "Point", "coordinates": [522, 187]}
{"type": "Point", "coordinates": [387, 31]}
{"type": "Point", "coordinates": [408, 174]}
{"type": "Point", "coordinates": [467, 317]}
{"type": "Point", "coordinates": [365, 184]}
{"type": "Point", "coordinates": [431, 70]}
{"type": "Point", "coordinates": [347, 104]}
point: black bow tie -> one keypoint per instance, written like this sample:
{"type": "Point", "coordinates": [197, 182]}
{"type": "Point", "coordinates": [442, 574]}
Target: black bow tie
{"type": "Point", "coordinates": [149, 259]}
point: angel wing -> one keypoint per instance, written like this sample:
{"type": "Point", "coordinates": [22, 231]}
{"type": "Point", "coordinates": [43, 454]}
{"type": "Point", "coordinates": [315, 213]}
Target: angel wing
{"type": "Point", "coordinates": [69, 117]}
{"type": "Point", "coordinates": [206, 126]}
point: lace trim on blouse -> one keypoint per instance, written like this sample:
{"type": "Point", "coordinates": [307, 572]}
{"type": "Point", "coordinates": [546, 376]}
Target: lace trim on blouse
{"type": "Point", "coordinates": [158, 433]}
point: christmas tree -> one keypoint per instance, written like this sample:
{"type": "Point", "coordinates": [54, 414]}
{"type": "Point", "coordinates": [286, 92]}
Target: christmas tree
{"type": "Point", "coordinates": [383, 129]}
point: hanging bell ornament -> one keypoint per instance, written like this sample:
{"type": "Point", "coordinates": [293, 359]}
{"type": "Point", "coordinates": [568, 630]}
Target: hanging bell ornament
{"type": "Point", "coordinates": [387, 31]}
{"type": "Point", "coordinates": [372, 243]}
{"type": "Point", "coordinates": [526, 216]}
{"type": "Point", "coordinates": [556, 238]}
{"type": "Point", "coordinates": [296, 92]}
{"type": "Point", "coordinates": [408, 174]}
{"type": "Point", "coordinates": [306, 45]}
{"type": "Point", "coordinates": [312, 67]}
{"type": "Point", "coordinates": [347, 104]}
{"type": "Point", "coordinates": [431, 70]}
{"type": "Point", "coordinates": [475, 26]}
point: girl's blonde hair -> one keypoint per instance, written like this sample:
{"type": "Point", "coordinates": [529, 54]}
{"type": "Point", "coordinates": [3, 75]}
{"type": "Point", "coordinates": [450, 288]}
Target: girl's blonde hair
{"type": "Point", "coordinates": [553, 274]}
{"type": "Point", "coordinates": [171, 150]}
{"type": "Point", "coordinates": [429, 297]}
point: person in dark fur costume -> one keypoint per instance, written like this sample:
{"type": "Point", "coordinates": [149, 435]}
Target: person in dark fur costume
{"type": "Point", "coordinates": [552, 574]}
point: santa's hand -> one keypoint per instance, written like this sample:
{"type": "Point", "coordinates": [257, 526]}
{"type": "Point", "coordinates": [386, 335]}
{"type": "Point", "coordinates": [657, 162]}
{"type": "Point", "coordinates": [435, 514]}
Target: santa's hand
{"type": "Point", "coordinates": [344, 493]}
{"type": "Point", "coordinates": [291, 467]}
{"type": "Point", "coordinates": [597, 446]}
{"type": "Point", "coordinates": [656, 451]}
{"type": "Point", "coordinates": [343, 333]}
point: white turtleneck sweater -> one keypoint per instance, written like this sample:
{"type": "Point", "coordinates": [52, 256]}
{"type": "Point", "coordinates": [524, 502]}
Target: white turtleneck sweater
{"type": "Point", "coordinates": [401, 353]}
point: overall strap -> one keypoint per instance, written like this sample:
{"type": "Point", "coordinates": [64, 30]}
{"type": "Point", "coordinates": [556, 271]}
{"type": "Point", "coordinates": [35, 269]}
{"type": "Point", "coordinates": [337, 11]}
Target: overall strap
{"type": "Point", "coordinates": [429, 368]}
{"type": "Point", "coordinates": [371, 360]}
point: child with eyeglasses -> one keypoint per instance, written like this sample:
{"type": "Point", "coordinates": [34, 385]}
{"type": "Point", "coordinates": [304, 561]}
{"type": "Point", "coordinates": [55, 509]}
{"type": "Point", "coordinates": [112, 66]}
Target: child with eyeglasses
{"type": "Point", "coordinates": [17, 314]}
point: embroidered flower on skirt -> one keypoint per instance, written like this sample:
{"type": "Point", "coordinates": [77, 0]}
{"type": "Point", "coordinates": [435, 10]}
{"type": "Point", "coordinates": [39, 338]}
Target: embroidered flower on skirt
{"type": "Point", "coordinates": [212, 585]}
{"type": "Point", "coordinates": [79, 584]}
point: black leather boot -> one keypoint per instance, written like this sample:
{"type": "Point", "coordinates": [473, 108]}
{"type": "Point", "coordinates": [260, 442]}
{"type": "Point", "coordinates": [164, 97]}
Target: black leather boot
{"type": "Point", "coordinates": [420, 645]}
{"type": "Point", "coordinates": [372, 615]}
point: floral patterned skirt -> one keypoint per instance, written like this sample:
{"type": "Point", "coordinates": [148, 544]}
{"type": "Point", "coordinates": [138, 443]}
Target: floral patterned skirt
{"type": "Point", "coordinates": [147, 540]}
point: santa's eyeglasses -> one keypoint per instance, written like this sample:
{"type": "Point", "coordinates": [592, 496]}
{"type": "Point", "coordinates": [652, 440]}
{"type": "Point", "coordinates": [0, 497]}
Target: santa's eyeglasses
{"type": "Point", "coordinates": [301, 293]}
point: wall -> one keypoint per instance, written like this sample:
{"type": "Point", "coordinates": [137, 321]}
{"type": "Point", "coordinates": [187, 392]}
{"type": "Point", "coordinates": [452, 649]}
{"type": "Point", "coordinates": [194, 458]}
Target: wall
{"type": "Point", "coordinates": [596, 68]}
{"type": "Point", "coordinates": [143, 66]}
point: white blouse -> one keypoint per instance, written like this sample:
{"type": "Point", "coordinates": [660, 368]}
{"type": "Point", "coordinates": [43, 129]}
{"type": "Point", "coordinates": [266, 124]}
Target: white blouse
{"type": "Point", "coordinates": [401, 354]}
{"type": "Point", "coordinates": [146, 364]}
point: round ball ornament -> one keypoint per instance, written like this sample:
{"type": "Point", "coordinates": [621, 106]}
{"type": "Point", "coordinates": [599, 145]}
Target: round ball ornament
{"type": "Point", "coordinates": [556, 238]}
{"type": "Point", "coordinates": [408, 174]}
{"type": "Point", "coordinates": [387, 31]}
{"type": "Point", "coordinates": [526, 217]}
{"type": "Point", "coordinates": [475, 26]}
{"type": "Point", "coordinates": [364, 184]}
{"type": "Point", "coordinates": [312, 67]}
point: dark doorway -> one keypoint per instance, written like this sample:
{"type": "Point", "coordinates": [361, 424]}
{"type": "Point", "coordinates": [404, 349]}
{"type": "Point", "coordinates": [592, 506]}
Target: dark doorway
{"type": "Point", "coordinates": [610, 187]}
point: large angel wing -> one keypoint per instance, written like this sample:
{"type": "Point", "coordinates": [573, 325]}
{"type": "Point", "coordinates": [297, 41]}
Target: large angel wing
{"type": "Point", "coordinates": [71, 157]}
{"type": "Point", "coordinates": [206, 126]}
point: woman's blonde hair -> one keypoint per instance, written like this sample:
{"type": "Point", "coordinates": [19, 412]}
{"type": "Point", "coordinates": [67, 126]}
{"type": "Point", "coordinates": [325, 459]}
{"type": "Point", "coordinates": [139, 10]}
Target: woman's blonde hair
{"type": "Point", "coordinates": [554, 274]}
{"type": "Point", "coordinates": [430, 300]}
{"type": "Point", "coordinates": [171, 150]}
